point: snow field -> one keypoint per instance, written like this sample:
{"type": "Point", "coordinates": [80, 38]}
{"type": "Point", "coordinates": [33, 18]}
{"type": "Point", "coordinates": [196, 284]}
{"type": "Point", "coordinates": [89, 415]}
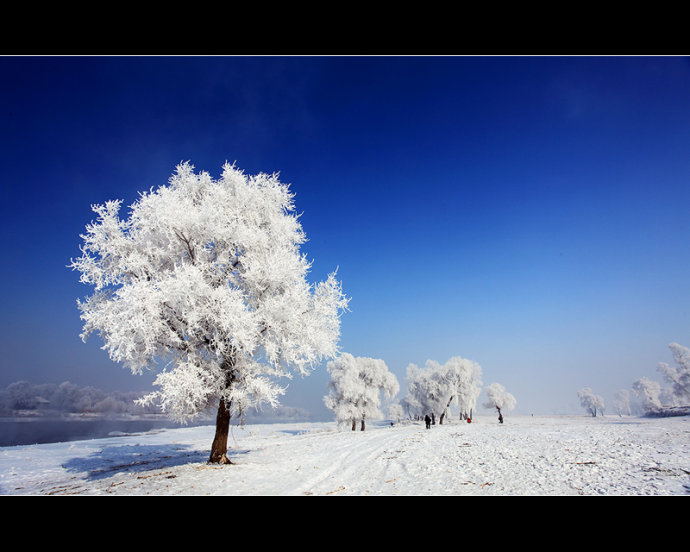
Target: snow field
{"type": "Point", "coordinates": [559, 455]}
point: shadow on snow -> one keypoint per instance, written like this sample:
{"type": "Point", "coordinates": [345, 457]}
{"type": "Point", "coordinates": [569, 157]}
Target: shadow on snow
{"type": "Point", "coordinates": [115, 459]}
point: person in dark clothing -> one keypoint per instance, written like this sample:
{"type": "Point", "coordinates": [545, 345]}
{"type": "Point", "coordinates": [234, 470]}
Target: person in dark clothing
{"type": "Point", "coordinates": [428, 421]}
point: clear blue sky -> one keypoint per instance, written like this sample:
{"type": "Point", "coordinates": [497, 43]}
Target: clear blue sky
{"type": "Point", "coordinates": [529, 213]}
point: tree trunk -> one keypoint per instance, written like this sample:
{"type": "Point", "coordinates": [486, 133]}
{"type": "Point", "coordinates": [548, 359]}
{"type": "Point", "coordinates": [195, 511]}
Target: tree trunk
{"type": "Point", "coordinates": [443, 415]}
{"type": "Point", "coordinates": [354, 424]}
{"type": "Point", "coordinates": [219, 448]}
{"type": "Point", "coordinates": [362, 424]}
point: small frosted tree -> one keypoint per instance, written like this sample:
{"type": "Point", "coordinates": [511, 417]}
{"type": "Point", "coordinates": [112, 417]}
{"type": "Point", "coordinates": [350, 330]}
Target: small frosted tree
{"type": "Point", "coordinates": [500, 399]}
{"type": "Point", "coordinates": [355, 389]}
{"type": "Point", "coordinates": [590, 402]}
{"type": "Point", "coordinates": [205, 281]}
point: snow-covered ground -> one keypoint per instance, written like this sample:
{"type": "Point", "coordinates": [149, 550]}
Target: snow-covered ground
{"type": "Point", "coordinates": [557, 455]}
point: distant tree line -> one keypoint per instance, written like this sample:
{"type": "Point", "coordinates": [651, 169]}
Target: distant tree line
{"type": "Point", "coordinates": [656, 400]}
{"type": "Point", "coordinates": [68, 398]}
{"type": "Point", "coordinates": [648, 397]}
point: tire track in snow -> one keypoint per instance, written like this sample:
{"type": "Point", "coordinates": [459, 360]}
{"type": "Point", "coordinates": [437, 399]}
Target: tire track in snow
{"type": "Point", "coordinates": [351, 463]}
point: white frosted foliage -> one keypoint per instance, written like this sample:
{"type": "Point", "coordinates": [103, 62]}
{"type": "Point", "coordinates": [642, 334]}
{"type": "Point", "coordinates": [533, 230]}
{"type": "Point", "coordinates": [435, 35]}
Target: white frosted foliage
{"type": "Point", "coordinates": [591, 402]}
{"type": "Point", "coordinates": [622, 403]}
{"type": "Point", "coordinates": [678, 376]}
{"type": "Point", "coordinates": [433, 389]}
{"type": "Point", "coordinates": [499, 398]}
{"type": "Point", "coordinates": [648, 393]}
{"type": "Point", "coordinates": [205, 278]}
{"type": "Point", "coordinates": [356, 386]}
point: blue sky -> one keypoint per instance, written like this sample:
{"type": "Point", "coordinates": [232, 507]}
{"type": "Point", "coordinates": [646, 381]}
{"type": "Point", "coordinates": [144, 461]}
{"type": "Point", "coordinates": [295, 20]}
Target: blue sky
{"type": "Point", "coordinates": [529, 213]}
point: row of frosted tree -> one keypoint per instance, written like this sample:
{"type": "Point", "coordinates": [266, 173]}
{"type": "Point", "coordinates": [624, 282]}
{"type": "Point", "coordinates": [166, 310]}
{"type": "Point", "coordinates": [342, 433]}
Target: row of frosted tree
{"type": "Point", "coordinates": [652, 398]}
{"type": "Point", "coordinates": [358, 383]}
{"type": "Point", "coordinates": [649, 397]}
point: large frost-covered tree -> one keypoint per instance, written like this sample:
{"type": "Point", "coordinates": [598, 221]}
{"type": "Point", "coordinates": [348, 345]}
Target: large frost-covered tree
{"type": "Point", "coordinates": [205, 281]}
{"type": "Point", "coordinates": [420, 398]}
{"type": "Point", "coordinates": [468, 381]}
{"type": "Point", "coordinates": [355, 388]}
{"type": "Point", "coordinates": [499, 398]}
{"type": "Point", "coordinates": [432, 390]}
{"type": "Point", "coordinates": [648, 393]}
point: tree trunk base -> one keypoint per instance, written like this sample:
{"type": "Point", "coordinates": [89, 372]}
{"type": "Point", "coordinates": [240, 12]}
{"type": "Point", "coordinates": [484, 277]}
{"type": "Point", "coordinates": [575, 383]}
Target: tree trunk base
{"type": "Point", "coordinates": [222, 460]}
